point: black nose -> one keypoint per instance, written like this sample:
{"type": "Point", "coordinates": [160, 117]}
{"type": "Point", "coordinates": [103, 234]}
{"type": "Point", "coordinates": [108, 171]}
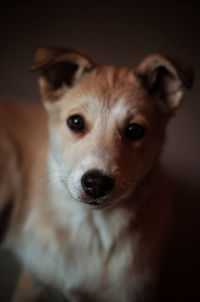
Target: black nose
{"type": "Point", "coordinates": [96, 185]}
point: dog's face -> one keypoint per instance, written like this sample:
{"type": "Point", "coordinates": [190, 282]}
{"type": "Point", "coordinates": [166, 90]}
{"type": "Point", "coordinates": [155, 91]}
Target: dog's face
{"type": "Point", "coordinates": [107, 124]}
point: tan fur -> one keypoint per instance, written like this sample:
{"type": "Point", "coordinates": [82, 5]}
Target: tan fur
{"type": "Point", "coordinates": [110, 252]}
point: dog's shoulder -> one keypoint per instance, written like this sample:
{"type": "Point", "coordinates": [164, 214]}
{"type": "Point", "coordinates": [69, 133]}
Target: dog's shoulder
{"type": "Point", "coordinates": [23, 140]}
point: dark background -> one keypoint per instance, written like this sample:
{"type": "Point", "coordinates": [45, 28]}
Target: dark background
{"type": "Point", "coordinates": [120, 34]}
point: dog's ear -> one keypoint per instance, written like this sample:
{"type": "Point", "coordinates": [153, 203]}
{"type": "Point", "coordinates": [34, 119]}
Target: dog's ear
{"type": "Point", "coordinates": [165, 78]}
{"type": "Point", "coordinates": [60, 69]}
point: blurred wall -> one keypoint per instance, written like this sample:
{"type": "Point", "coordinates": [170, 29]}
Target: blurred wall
{"type": "Point", "coordinates": [123, 34]}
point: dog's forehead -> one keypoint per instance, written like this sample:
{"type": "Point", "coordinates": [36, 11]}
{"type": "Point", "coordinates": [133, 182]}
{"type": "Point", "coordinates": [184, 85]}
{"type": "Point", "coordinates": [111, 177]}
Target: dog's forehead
{"type": "Point", "coordinates": [110, 88]}
{"type": "Point", "coordinates": [108, 93]}
{"type": "Point", "coordinates": [111, 82]}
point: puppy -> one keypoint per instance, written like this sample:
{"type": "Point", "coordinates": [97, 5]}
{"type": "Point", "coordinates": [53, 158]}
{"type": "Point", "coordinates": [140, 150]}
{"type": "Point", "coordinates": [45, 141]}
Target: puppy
{"type": "Point", "coordinates": [86, 208]}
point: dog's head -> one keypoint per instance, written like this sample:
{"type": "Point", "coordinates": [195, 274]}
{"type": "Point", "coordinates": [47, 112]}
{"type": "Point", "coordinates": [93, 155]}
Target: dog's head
{"type": "Point", "coordinates": [107, 124]}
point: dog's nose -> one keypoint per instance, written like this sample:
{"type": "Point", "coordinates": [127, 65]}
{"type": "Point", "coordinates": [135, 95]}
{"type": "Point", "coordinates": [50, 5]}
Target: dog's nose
{"type": "Point", "coordinates": [96, 185]}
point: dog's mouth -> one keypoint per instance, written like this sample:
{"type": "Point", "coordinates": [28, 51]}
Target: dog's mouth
{"type": "Point", "coordinates": [95, 203]}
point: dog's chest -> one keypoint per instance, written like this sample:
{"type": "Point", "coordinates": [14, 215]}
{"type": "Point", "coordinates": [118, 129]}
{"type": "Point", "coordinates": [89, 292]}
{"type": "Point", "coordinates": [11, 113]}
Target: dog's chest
{"type": "Point", "coordinates": [92, 252]}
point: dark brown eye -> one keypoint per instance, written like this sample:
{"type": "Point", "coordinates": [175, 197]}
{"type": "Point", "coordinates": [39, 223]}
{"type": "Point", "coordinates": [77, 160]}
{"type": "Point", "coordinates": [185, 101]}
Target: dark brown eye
{"type": "Point", "coordinates": [76, 123]}
{"type": "Point", "coordinates": [135, 131]}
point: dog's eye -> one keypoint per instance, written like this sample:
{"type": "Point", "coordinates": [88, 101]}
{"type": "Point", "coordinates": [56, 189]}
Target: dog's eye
{"type": "Point", "coordinates": [76, 123]}
{"type": "Point", "coordinates": [135, 131]}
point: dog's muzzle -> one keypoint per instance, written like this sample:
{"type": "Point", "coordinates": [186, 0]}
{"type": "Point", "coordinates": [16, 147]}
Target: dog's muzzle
{"type": "Point", "coordinates": [96, 185]}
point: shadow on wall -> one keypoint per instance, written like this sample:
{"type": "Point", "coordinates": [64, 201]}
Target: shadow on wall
{"type": "Point", "coordinates": [180, 275]}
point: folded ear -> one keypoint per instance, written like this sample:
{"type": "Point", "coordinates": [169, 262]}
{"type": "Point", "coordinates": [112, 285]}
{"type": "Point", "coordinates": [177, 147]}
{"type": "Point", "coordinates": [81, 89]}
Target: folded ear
{"type": "Point", "coordinates": [165, 78]}
{"type": "Point", "coordinates": [60, 69]}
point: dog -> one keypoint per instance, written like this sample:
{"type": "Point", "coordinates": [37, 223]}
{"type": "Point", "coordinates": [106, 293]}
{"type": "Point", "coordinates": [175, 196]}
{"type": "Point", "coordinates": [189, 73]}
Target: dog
{"type": "Point", "coordinates": [84, 203]}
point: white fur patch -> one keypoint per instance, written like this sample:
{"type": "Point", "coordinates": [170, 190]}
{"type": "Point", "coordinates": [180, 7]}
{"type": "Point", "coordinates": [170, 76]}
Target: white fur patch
{"type": "Point", "coordinates": [93, 235]}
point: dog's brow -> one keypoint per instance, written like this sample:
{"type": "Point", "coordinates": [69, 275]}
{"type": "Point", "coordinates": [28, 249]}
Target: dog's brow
{"type": "Point", "coordinates": [120, 108]}
{"type": "Point", "coordinates": [93, 103]}
{"type": "Point", "coordinates": [87, 106]}
{"type": "Point", "coordinates": [123, 109]}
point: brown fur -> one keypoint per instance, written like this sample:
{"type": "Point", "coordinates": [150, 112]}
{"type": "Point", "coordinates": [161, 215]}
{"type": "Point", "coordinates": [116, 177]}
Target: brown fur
{"type": "Point", "coordinates": [71, 83]}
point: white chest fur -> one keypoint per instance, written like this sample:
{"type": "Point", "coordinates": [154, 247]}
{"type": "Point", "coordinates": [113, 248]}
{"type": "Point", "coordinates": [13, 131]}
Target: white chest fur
{"type": "Point", "coordinates": [95, 257]}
